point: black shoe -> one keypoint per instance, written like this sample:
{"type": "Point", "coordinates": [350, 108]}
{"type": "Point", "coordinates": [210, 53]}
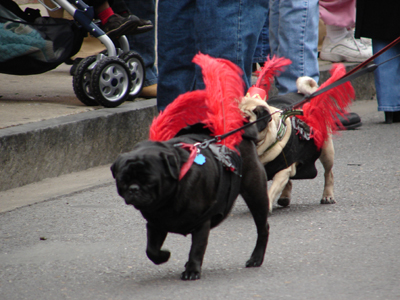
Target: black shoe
{"type": "Point", "coordinates": [396, 116]}
{"type": "Point", "coordinates": [143, 25]}
{"type": "Point", "coordinates": [117, 26]}
{"type": "Point", "coordinates": [392, 117]}
{"type": "Point", "coordinates": [349, 121]}
{"type": "Point", "coordinates": [388, 117]}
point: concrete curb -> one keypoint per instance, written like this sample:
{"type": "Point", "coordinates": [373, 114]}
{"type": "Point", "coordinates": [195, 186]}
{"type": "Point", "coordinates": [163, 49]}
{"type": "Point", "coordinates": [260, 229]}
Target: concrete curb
{"type": "Point", "coordinates": [35, 151]}
{"type": "Point", "coordinates": [364, 86]}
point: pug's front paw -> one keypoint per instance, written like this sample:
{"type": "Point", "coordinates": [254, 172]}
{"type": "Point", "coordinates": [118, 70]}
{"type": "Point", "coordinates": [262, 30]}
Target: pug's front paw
{"type": "Point", "coordinates": [192, 271]}
{"type": "Point", "coordinates": [189, 275]}
{"type": "Point", "coordinates": [254, 261]}
{"type": "Point", "coordinates": [160, 257]}
{"type": "Point", "coordinates": [328, 200]}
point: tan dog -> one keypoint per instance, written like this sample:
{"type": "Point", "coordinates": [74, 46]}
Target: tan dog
{"type": "Point", "coordinates": [284, 146]}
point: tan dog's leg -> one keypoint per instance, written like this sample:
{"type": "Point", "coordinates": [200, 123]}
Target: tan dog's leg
{"type": "Point", "coordinates": [326, 158]}
{"type": "Point", "coordinates": [279, 182]}
{"type": "Point", "coordinates": [284, 199]}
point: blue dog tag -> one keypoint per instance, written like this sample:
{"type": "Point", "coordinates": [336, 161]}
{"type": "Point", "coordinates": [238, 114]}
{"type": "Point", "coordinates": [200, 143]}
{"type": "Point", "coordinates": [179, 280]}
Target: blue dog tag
{"type": "Point", "coordinates": [200, 159]}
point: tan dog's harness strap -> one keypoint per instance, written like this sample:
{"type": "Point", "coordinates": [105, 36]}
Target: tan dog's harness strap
{"type": "Point", "coordinates": [282, 126]}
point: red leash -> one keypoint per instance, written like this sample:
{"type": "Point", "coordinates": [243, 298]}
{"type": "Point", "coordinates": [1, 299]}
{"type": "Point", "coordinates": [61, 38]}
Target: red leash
{"type": "Point", "coordinates": [372, 57]}
{"type": "Point", "coordinates": [349, 75]}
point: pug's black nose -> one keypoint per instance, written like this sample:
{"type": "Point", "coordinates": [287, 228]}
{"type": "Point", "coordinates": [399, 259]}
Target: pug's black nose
{"type": "Point", "coordinates": [133, 188]}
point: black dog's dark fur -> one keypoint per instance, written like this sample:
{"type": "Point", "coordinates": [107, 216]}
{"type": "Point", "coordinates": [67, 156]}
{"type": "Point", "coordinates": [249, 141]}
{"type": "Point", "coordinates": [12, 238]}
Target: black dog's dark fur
{"type": "Point", "coordinates": [147, 178]}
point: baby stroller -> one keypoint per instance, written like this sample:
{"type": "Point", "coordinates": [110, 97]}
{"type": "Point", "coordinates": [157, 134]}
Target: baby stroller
{"type": "Point", "coordinates": [30, 44]}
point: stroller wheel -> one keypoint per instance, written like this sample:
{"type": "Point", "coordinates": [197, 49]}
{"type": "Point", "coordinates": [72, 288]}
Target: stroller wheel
{"type": "Point", "coordinates": [81, 81]}
{"type": "Point", "coordinates": [136, 67]}
{"type": "Point", "coordinates": [111, 82]}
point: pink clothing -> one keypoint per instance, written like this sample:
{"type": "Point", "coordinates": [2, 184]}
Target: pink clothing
{"type": "Point", "coordinates": [340, 13]}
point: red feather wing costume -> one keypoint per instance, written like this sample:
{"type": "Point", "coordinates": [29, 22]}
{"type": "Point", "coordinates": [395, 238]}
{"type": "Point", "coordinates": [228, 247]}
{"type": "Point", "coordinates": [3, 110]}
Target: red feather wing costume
{"type": "Point", "coordinates": [216, 106]}
{"type": "Point", "coordinates": [321, 112]}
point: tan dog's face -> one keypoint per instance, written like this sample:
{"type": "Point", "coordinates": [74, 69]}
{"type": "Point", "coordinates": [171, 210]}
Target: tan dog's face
{"type": "Point", "coordinates": [254, 108]}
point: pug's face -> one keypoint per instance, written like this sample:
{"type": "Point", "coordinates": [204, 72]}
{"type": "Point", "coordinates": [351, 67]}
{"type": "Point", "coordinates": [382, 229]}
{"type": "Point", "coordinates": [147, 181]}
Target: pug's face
{"type": "Point", "coordinates": [145, 178]}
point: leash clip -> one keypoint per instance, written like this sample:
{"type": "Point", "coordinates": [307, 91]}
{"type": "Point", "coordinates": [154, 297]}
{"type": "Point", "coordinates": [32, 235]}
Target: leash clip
{"type": "Point", "coordinates": [207, 143]}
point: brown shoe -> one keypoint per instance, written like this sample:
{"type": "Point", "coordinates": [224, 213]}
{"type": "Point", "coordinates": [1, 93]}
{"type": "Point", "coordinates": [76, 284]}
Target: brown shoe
{"type": "Point", "coordinates": [149, 91]}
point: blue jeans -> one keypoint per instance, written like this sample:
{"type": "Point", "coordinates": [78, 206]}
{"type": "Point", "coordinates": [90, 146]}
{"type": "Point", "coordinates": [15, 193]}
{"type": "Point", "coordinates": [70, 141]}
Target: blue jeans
{"type": "Point", "coordinates": [263, 49]}
{"type": "Point", "coordinates": [226, 29]}
{"type": "Point", "coordinates": [144, 43]}
{"type": "Point", "coordinates": [387, 77]}
{"type": "Point", "coordinates": [293, 34]}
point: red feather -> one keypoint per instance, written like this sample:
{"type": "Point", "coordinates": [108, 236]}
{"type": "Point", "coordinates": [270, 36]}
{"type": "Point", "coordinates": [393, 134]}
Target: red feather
{"type": "Point", "coordinates": [321, 112]}
{"type": "Point", "coordinates": [272, 67]}
{"type": "Point", "coordinates": [216, 106]}
{"type": "Point", "coordinates": [225, 88]}
{"type": "Point", "coordinates": [187, 109]}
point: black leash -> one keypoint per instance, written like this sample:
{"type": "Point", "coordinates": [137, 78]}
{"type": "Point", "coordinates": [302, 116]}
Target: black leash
{"type": "Point", "coordinates": [219, 138]}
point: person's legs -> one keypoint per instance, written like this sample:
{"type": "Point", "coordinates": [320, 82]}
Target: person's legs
{"type": "Point", "coordinates": [294, 35]}
{"type": "Point", "coordinates": [340, 13]}
{"type": "Point", "coordinates": [263, 48]}
{"type": "Point", "coordinates": [176, 49]}
{"type": "Point", "coordinates": [339, 43]}
{"type": "Point", "coordinates": [233, 34]}
{"type": "Point", "coordinates": [144, 44]}
{"type": "Point", "coordinates": [387, 77]}
{"type": "Point", "coordinates": [222, 28]}
{"type": "Point", "coordinates": [115, 25]}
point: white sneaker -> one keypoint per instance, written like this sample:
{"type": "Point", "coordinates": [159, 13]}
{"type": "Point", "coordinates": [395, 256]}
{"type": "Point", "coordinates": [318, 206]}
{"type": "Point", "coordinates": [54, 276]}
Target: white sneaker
{"type": "Point", "coordinates": [347, 49]}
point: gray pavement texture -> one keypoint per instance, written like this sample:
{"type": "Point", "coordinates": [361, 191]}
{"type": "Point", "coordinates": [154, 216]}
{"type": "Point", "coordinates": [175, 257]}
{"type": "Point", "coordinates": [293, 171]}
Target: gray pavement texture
{"type": "Point", "coordinates": [88, 244]}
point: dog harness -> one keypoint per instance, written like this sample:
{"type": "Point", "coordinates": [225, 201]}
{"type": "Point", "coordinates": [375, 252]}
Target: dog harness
{"type": "Point", "coordinates": [282, 128]}
{"type": "Point", "coordinates": [221, 153]}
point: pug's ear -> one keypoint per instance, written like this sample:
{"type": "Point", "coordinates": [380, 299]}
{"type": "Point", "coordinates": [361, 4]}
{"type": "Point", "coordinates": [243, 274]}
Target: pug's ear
{"type": "Point", "coordinates": [261, 111]}
{"type": "Point", "coordinates": [172, 164]}
{"type": "Point", "coordinates": [113, 170]}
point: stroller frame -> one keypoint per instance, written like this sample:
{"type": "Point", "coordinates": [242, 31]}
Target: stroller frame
{"type": "Point", "coordinates": [110, 77]}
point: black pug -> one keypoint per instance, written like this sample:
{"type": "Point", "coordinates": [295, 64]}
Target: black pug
{"type": "Point", "coordinates": [148, 178]}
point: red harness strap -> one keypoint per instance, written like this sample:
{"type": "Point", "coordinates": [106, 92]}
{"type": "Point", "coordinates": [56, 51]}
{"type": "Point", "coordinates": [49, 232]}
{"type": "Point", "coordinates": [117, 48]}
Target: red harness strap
{"type": "Point", "coordinates": [193, 153]}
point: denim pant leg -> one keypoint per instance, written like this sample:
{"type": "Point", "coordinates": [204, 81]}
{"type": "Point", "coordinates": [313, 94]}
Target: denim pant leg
{"type": "Point", "coordinates": [262, 49]}
{"type": "Point", "coordinates": [144, 43]}
{"type": "Point", "coordinates": [294, 34]}
{"type": "Point", "coordinates": [175, 48]}
{"type": "Point", "coordinates": [221, 28]}
{"type": "Point", "coordinates": [387, 77]}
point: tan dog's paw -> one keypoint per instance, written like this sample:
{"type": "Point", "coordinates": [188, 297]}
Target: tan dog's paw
{"type": "Point", "coordinates": [328, 200]}
{"type": "Point", "coordinates": [284, 202]}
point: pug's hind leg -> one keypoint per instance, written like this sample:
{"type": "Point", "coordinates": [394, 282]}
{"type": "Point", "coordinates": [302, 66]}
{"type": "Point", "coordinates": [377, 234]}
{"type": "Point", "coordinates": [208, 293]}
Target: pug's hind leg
{"type": "Point", "coordinates": [197, 251]}
{"type": "Point", "coordinates": [284, 199]}
{"type": "Point", "coordinates": [327, 158]}
{"type": "Point", "coordinates": [155, 240]}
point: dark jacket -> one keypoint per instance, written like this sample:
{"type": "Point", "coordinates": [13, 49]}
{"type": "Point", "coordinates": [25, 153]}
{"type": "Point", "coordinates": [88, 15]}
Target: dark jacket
{"type": "Point", "coordinates": [378, 19]}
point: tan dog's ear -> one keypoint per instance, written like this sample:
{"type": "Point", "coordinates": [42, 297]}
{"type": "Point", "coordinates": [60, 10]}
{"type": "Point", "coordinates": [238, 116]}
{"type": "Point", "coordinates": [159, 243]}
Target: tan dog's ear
{"type": "Point", "coordinates": [172, 164]}
{"type": "Point", "coordinates": [262, 111]}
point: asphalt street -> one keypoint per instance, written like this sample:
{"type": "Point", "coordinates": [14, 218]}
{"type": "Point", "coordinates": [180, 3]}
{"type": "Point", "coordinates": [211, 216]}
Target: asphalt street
{"type": "Point", "coordinates": [90, 245]}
